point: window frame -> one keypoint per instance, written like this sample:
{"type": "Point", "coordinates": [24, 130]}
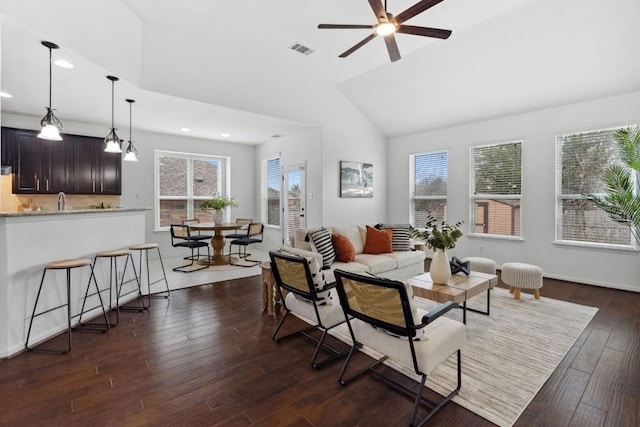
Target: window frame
{"type": "Point", "coordinates": [223, 181]}
{"type": "Point", "coordinates": [474, 197]}
{"type": "Point", "coordinates": [560, 197]}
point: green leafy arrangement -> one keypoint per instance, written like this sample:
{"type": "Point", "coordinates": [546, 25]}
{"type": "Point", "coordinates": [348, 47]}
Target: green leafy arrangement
{"type": "Point", "coordinates": [218, 202]}
{"type": "Point", "coordinates": [621, 203]}
{"type": "Point", "coordinates": [438, 235]}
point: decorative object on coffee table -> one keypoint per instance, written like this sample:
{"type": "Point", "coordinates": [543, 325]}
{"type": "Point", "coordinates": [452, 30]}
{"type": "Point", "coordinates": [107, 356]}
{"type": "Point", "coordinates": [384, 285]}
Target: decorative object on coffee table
{"type": "Point", "coordinates": [457, 266]}
{"type": "Point", "coordinates": [441, 236]}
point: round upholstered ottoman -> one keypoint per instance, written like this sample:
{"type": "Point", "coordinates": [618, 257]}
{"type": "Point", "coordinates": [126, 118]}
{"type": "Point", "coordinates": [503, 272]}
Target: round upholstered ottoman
{"type": "Point", "coordinates": [482, 265]}
{"type": "Point", "coordinates": [518, 275]}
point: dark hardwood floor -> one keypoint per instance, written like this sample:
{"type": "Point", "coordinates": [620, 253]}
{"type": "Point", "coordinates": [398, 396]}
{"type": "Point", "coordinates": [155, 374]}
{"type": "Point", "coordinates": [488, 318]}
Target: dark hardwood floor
{"type": "Point", "coordinates": [206, 357]}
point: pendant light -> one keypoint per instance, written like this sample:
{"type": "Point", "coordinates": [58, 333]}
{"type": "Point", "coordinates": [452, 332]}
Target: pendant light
{"type": "Point", "coordinates": [112, 141]}
{"type": "Point", "coordinates": [131, 155]}
{"type": "Point", "coordinates": [51, 126]}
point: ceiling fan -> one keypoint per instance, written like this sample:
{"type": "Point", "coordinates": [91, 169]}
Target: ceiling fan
{"type": "Point", "coordinates": [388, 25]}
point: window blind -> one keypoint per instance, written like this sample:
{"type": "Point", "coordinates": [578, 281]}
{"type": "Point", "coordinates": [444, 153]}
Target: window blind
{"type": "Point", "coordinates": [271, 192]}
{"type": "Point", "coordinates": [581, 159]}
{"type": "Point", "coordinates": [495, 187]}
{"type": "Point", "coordinates": [428, 187]}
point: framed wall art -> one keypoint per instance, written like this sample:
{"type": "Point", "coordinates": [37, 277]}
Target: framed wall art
{"type": "Point", "coordinates": [356, 179]}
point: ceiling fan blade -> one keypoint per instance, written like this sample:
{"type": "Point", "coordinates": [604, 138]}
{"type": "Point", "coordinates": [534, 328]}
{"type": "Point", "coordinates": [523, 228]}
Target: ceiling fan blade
{"type": "Point", "coordinates": [378, 9]}
{"type": "Point", "coordinates": [357, 46]}
{"type": "Point", "coordinates": [392, 47]}
{"type": "Point", "coordinates": [345, 26]}
{"type": "Point", "coordinates": [424, 31]}
{"type": "Point", "coordinates": [415, 9]}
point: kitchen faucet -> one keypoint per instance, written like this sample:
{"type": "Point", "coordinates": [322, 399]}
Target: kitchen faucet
{"type": "Point", "coordinates": [62, 201]}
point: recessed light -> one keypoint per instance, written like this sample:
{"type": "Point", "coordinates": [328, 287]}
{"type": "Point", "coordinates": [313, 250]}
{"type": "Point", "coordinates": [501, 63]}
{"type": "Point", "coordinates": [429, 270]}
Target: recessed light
{"type": "Point", "coordinates": [63, 63]}
{"type": "Point", "coordinates": [185, 129]}
{"type": "Point", "coordinates": [225, 135]}
{"type": "Point", "coordinates": [5, 95]}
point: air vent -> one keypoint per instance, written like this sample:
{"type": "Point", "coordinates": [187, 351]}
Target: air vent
{"type": "Point", "coordinates": [300, 48]}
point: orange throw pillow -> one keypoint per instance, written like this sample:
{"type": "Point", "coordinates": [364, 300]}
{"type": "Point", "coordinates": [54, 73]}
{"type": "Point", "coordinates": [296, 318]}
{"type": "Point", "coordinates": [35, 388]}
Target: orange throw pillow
{"type": "Point", "coordinates": [345, 252]}
{"type": "Point", "coordinates": [378, 241]}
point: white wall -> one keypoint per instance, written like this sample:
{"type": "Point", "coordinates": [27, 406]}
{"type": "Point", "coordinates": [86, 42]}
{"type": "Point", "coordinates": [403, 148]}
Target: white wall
{"type": "Point", "coordinates": [305, 147]}
{"type": "Point", "coordinates": [138, 177]}
{"type": "Point", "coordinates": [619, 269]}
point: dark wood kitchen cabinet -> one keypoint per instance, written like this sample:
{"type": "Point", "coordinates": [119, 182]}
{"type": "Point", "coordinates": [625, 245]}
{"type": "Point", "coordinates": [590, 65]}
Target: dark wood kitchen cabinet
{"type": "Point", "coordinates": [6, 150]}
{"type": "Point", "coordinates": [75, 165]}
{"type": "Point", "coordinates": [95, 172]}
{"type": "Point", "coordinates": [39, 166]}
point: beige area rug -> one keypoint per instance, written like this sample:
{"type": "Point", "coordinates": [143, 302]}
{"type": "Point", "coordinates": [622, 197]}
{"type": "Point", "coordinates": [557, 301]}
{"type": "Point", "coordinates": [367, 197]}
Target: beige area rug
{"type": "Point", "coordinates": [508, 355]}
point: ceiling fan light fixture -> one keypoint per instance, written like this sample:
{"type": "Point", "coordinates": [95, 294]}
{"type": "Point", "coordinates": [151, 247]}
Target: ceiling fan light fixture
{"type": "Point", "coordinates": [51, 126]}
{"type": "Point", "coordinates": [385, 28]}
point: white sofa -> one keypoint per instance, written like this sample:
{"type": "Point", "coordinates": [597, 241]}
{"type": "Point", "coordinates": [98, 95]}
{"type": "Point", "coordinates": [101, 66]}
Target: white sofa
{"type": "Point", "coordinates": [398, 265]}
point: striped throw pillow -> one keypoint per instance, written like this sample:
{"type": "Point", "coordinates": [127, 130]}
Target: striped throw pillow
{"type": "Point", "coordinates": [401, 236]}
{"type": "Point", "coordinates": [321, 241]}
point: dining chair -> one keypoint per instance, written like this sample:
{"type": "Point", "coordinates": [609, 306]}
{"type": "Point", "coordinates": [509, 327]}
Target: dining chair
{"type": "Point", "coordinates": [253, 234]}
{"type": "Point", "coordinates": [181, 238]}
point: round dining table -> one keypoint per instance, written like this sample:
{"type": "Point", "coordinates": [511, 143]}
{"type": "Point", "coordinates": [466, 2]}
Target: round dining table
{"type": "Point", "coordinates": [217, 240]}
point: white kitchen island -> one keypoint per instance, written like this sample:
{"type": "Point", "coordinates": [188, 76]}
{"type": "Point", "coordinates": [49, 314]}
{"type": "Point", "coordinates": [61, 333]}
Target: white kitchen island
{"type": "Point", "coordinates": [29, 240]}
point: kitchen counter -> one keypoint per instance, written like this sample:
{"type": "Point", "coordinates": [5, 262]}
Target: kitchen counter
{"type": "Point", "coordinates": [29, 240]}
{"type": "Point", "coordinates": [70, 211]}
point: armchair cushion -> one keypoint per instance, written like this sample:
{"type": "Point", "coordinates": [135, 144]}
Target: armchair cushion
{"type": "Point", "coordinates": [321, 241]}
{"type": "Point", "coordinates": [378, 241]}
{"type": "Point", "coordinates": [345, 252]}
{"type": "Point", "coordinates": [440, 339]}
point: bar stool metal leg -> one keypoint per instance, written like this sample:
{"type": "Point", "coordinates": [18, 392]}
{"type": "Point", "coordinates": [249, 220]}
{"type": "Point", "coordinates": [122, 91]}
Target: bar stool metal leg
{"type": "Point", "coordinates": [66, 265]}
{"type": "Point", "coordinates": [146, 247]}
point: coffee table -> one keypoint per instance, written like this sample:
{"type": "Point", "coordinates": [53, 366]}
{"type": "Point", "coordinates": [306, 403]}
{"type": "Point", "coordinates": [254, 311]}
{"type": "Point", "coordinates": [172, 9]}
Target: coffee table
{"type": "Point", "coordinates": [460, 288]}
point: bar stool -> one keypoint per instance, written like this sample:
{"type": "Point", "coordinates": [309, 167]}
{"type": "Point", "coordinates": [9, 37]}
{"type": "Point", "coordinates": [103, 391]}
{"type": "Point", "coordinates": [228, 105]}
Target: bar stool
{"type": "Point", "coordinates": [67, 265]}
{"type": "Point", "coordinates": [146, 247]}
{"type": "Point", "coordinates": [113, 256]}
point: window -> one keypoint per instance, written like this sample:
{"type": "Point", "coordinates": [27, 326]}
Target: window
{"type": "Point", "coordinates": [495, 186]}
{"type": "Point", "coordinates": [581, 160]}
{"type": "Point", "coordinates": [182, 180]}
{"type": "Point", "coordinates": [271, 191]}
{"type": "Point", "coordinates": [428, 187]}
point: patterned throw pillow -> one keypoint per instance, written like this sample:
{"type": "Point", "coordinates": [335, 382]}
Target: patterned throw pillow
{"type": "Point", "coordinates": [321, 240]}
{"type": "Point", "coordinates": [322, 297]}
{"type": "Point", "coordinates": [401, 236]}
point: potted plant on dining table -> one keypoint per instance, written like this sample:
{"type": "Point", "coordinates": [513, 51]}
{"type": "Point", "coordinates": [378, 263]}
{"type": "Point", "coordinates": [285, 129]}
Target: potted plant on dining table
{"type": "Point", "coordinates": [218, 204]}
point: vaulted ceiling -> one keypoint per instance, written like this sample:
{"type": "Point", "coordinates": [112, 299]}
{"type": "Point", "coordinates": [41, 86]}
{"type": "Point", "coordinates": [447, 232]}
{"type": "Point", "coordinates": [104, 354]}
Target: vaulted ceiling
{"type": "Point", "coordinates": [222, 66]}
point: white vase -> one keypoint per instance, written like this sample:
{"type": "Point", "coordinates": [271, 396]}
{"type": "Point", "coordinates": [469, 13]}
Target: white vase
{"type": "Point", "coordinates": [218, 216]}
{"type": "Point", "coordinates": [440, 269]}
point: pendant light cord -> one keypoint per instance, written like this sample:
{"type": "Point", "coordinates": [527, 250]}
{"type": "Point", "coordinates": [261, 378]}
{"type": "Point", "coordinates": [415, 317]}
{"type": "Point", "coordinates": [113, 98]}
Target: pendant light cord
{"type": "Point", "coordinates": [112, 101]}
{"type": "Point", "coordinates": [50, 77]}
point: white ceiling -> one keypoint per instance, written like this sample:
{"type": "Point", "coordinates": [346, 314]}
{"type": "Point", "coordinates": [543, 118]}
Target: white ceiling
{"type": "Point", "coordinates": [504, 57]}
